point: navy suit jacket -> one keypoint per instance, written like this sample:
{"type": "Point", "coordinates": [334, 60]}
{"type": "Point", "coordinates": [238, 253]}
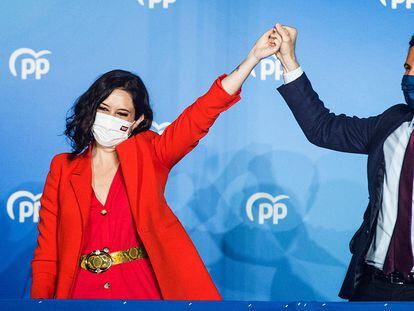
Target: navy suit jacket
{"type": "Point", "coordinates": [348, 134]}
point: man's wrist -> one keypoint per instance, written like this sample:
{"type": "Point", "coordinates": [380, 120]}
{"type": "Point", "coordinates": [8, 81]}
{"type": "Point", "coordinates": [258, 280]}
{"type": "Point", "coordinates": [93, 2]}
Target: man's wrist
{"type": "Point", "coordinates": [290, 64]}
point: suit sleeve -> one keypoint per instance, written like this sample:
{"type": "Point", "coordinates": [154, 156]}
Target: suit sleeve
{"type": "Point", "coordinates": [44, 263]}
{"type": "Point", "coordinates": [182, 135]}
{"type": "Point", "coordinates": [322, 127]}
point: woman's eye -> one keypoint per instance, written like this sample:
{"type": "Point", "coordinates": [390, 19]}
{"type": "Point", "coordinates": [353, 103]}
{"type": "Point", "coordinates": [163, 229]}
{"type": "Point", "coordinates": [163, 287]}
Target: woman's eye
{"type": "Point", "coordinates": [123, 114]}
{"type": "Point", "coordinates": [103, 108]}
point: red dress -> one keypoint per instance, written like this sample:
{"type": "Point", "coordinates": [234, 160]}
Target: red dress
{"type": "Point", "coordinates": [111, 225]}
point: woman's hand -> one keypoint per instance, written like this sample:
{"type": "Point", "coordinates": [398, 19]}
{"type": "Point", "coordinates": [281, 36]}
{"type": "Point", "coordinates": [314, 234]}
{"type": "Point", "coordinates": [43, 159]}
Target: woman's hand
{"type": "Point", "coordinates": [268, 44]}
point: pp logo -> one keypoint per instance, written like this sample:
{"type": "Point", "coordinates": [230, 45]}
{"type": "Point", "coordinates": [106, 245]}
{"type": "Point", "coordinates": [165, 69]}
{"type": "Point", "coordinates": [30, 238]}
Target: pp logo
{"type": "Point", "coordinates": [153, 3]}
{"type": "Point", "coordinates": [26, 204]}
{"type": "Point", "coordinates": [31, 63]}
{"type": "Point", "coordinates": [159, 128]}
{"type": "Point", "coordinates": [269, 208]}
{"type": "Point", "coordinates": [270, 66]}
{"type": "Point", "coordinates": [396, 3]}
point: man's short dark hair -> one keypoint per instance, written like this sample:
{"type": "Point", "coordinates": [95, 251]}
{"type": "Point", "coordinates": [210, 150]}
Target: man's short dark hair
{"type": "Point", "coordinates": [412, 41]}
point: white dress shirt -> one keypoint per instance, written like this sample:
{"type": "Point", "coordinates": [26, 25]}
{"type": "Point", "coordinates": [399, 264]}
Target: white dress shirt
{"type": "Point", "coordinates": [394, 151]}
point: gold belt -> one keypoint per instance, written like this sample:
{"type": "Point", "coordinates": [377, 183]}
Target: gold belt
{"type": "Point", "coordinates": [99, 261]}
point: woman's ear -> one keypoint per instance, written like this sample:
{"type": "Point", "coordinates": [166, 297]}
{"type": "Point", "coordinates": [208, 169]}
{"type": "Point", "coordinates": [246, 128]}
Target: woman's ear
{"type": "Point", "coordinates": [136, 123]}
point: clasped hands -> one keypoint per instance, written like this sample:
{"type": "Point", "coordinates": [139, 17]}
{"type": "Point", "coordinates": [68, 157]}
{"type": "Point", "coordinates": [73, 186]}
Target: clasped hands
{"type": "Point", "coordinates": [280, 41]}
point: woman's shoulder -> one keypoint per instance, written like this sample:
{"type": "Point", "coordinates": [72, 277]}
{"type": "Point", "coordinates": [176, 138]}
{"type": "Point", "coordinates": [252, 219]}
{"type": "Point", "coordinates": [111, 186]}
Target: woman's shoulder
{"type": "Point", "coordinates": [61, 159]}
{"type": "Point", "coordinates": [64, 156]}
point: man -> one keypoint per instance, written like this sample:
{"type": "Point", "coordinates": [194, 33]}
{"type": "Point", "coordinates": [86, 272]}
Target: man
{"type": "Point", "coordinates": [382, 263]}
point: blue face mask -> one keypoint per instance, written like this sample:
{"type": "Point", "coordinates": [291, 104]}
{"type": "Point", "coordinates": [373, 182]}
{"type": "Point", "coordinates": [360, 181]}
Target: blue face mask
{"type": "Point", "coordinates": [407, 85]}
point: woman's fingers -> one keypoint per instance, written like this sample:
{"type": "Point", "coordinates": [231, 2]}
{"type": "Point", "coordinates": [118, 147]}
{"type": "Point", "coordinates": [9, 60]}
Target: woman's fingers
{"type": "Point", "coordinates": [269, 43]}
{"type": "Point", "coordinates": [273, 49]}
{"type": "Point", "coordinates": [277, 38]}
{"type": "Point", "coordinates": [265, 37]}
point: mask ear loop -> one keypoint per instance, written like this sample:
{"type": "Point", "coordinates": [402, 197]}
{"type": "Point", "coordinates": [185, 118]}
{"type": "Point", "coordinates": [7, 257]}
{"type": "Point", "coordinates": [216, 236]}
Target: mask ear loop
{"type": "Point", "coordinates": [130, 130]}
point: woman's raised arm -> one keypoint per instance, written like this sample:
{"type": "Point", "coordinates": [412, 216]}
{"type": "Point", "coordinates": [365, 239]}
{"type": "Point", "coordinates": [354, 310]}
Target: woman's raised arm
{"type": "Point", "coordinates": [181, 136]}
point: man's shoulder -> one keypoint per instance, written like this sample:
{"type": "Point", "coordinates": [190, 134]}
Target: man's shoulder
{"type": "Point", "coordinates": [398, 110]}
{"type": "Point", "coordinates": [390, 120]}
{"type": "Point", "coordinates": [396, 115]}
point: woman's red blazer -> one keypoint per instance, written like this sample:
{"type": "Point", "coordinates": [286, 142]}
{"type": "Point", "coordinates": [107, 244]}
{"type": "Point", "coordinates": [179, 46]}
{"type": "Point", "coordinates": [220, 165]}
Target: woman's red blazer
{"type": "Point", "coordinates": [145, 159]}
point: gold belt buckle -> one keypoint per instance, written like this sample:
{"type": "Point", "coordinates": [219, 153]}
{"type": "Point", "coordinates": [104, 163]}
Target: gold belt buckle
{"type": "Point", "coordinates": [98, 261]}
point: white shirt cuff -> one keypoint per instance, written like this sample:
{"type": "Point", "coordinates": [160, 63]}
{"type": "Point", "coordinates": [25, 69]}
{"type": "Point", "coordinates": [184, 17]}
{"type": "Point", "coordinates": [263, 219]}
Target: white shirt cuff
{"type": "Point", "coordinates": [292, 75]}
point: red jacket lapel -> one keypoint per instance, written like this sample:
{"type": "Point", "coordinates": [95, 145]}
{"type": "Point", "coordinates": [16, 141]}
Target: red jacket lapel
{"type": "Point", "coordinates": [81, 181]}
{"type": "Point", "coordinates": [131, 164]}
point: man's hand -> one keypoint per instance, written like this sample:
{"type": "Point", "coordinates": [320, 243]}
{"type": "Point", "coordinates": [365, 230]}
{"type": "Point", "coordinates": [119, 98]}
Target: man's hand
{"type": "Point", "coordinates": [286, 53]}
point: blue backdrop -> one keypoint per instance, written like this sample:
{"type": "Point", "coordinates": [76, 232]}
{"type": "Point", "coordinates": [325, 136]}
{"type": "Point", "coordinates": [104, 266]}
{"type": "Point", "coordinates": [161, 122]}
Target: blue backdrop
{"type": "Point", "coordinates": [270, 214]}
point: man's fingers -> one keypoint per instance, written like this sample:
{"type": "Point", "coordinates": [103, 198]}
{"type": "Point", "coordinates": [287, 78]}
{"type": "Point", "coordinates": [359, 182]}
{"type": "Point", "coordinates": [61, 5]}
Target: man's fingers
{"type": "Point", "coordinates": [292, 32]}
{"type": "Point", "coordinates": [288, 28]}
{"type": "Point", "coordinates": [282, 32]}
{"type": "Point", "coordinates": [276, 40]}
{"type": "Point", "coordinates": [278, 36]}
{"type": "Point", "coordinates": [275, 34]}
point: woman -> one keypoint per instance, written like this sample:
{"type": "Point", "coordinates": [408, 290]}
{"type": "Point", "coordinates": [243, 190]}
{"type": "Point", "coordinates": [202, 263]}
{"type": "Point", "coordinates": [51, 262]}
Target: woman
{"type": "Point", "coordinates": [105, 229]}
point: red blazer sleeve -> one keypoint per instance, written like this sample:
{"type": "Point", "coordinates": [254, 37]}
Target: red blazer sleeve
{"type": "Point", "coordinates": [44, 263]}
{"type": "Point", "coordinates": [181, 136]}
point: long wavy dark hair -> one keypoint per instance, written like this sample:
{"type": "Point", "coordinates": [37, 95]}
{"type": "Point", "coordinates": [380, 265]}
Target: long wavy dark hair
{"type": "Point", "coordinates": [82, 114]}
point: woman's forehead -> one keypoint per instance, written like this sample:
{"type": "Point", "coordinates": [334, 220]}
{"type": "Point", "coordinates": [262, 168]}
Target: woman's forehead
{"type": "Point", "coordinates": [119, 98]}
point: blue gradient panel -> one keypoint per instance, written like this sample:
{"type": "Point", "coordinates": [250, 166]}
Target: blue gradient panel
{"type": "Point", "coordinates": [270, 214]}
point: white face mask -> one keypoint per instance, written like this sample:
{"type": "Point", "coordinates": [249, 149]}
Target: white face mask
{"type": "Point", "coordinates": [110, 131]}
